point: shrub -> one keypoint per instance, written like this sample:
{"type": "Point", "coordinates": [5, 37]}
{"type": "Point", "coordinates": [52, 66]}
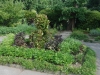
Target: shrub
{"type": "Point", "coordinates": [9, 40]}
{"type": "Point", "coordinates": [78, 35]}
{"type": "Point", "coordinates": [92, 20]}
{"type": "Point", "coordinates": [30, 16]}
{"type": "Point", "coordinates": [95, 32]}
{"type": "Point", "coordinates": [41, 35]}
{"type": "Point", "coordinates": [10, 12]}
{"type": "Point", "coordinates": [71, 45]}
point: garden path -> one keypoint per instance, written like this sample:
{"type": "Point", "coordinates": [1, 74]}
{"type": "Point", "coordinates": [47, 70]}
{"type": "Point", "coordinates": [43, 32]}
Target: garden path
{"type": "Point", "coordinates": [5, 70]}
{"type": "Point", "coordinates": [96, 48]}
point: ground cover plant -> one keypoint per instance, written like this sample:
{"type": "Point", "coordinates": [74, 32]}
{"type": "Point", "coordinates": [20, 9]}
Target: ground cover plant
{"type": "Point", "coordinates": [71, 52]}
{"type": "Point", "coordinates": [20, 28]}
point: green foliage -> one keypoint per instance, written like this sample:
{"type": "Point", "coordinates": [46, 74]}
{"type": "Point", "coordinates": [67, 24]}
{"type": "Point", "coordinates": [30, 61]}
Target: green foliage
{"type": "Point", "coordinates": [79, 35]}
{"type": "Point", "coordinates": [93, 4]}
{"type": "Point", "coordinates": [42, 22]}
{"type": "Point", "coordinates": [89, 66]}
{"type": "Point", "coordinates": [39, 37]}
{"type": "Point", "coordinates": [9, 40]}
{"type": "Point", "coordinates": [30, 16]}
{"type": "Point", "coordinates": [95, 32]}
{"type": "Point", "coordinates": [20, 28]}
{"type": "Point", "coordinates": [10, 12]}
{"type": "Point", "coordinates": [48, 60]}
{"type": "Point", "coordinates": [70, 45]}
{"type": "Point", "coordinates": [55, 16]}
{"type": "Point", "coordinates": [97, 38]}
{"type": "Point", "coordinates": [92, 20]}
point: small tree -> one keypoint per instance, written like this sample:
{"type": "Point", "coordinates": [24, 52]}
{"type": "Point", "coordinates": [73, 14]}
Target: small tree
{"type": "Point", "coordinates": [75, 8]}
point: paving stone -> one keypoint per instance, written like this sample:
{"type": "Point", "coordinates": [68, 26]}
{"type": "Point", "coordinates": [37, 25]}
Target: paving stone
{"type": "Point", "coordinates": [28, 72]}
{"type": "Point", "coordinates": [4, 70]}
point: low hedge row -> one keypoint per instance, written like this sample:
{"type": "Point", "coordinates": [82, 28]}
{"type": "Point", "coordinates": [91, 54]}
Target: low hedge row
{"type": "Point", "coordinates": [20, 28]}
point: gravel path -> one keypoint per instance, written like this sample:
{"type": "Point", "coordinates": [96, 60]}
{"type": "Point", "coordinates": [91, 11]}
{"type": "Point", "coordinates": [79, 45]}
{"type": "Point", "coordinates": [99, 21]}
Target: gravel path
{"type": "Point", "coordinates": [96, 48]}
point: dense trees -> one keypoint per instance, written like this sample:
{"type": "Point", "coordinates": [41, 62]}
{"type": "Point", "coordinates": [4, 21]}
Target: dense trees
{"type": "Point", "coordinates": [94, 4]}
{"type": "Point", "coordinates": [60, 12]}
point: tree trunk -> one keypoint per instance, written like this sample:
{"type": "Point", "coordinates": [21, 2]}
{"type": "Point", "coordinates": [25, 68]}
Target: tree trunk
{"type": "Point", "coordinates": [71, 24]}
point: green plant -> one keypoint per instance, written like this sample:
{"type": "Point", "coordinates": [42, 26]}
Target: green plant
{"type": "Point", "coordinates": [92, 20]}
{"type": "Point", "coordinates": [78, 35]}
{"type": "Point", "coordinates": [10, 13]}
{"type": "Point", "coordinates": [97, 38]}
{"type": "Point", "coordinates": [41, 35]}
{"type": "Point", "coordinates": [20, 28]}
{"type": "Point", "coordinates": [70, 45]}
{"type": "Point", "coordinates": [95, 32]}
{"type": "Point", "coordinates": [49, 60]}
{"type": "Point", "coordinates": [30, 16]}
{"type": "Point", "coordinates": [9, 40]}
{"type": "Point", "coordinates": [89, 66]}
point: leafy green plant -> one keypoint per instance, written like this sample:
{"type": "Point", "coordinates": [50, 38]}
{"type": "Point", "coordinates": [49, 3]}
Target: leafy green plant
{"type": "Point", "coordinates": [20, 28]}
{"type": "Point", "coordinates": [10, 12]}
{"type": "Point", "coordinates": [89, 66]}
{"type": "Point", "coordinates": [9, 40]}
{"type": "Point", "coordinates": [30, 16]}
{"type": "Point", "coordinates": [78, 35]}
{"type": "Point", "coordinates": [41, 35]}
{"type": "Point", "coordinates": [70, 45]}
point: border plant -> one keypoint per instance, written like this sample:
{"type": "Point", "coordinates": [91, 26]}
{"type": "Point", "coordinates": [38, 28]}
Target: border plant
{"type": "Point", "coordinates": [20, 28]}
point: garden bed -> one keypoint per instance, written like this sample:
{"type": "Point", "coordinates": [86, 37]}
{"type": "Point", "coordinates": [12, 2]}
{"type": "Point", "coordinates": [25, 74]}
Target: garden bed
{"type": "Point", "coordinates": [72, 58]}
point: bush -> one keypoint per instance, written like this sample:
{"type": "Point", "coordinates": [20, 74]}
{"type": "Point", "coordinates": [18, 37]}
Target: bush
{"type": "Point", "coordinates": [10, 12]}
{"type": "Point", "coordinates": [92, 20]}
{"type": "Point", "coordinates": [30, 16]}
{"type": "Point", "coordinates": [95, 32]}
{"type": "Point", "coordinates": [79, 35]}
{"type": "Point", "coordinates": [71, 45]}
{"type": "Point", "coordinates": [42, 34]}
